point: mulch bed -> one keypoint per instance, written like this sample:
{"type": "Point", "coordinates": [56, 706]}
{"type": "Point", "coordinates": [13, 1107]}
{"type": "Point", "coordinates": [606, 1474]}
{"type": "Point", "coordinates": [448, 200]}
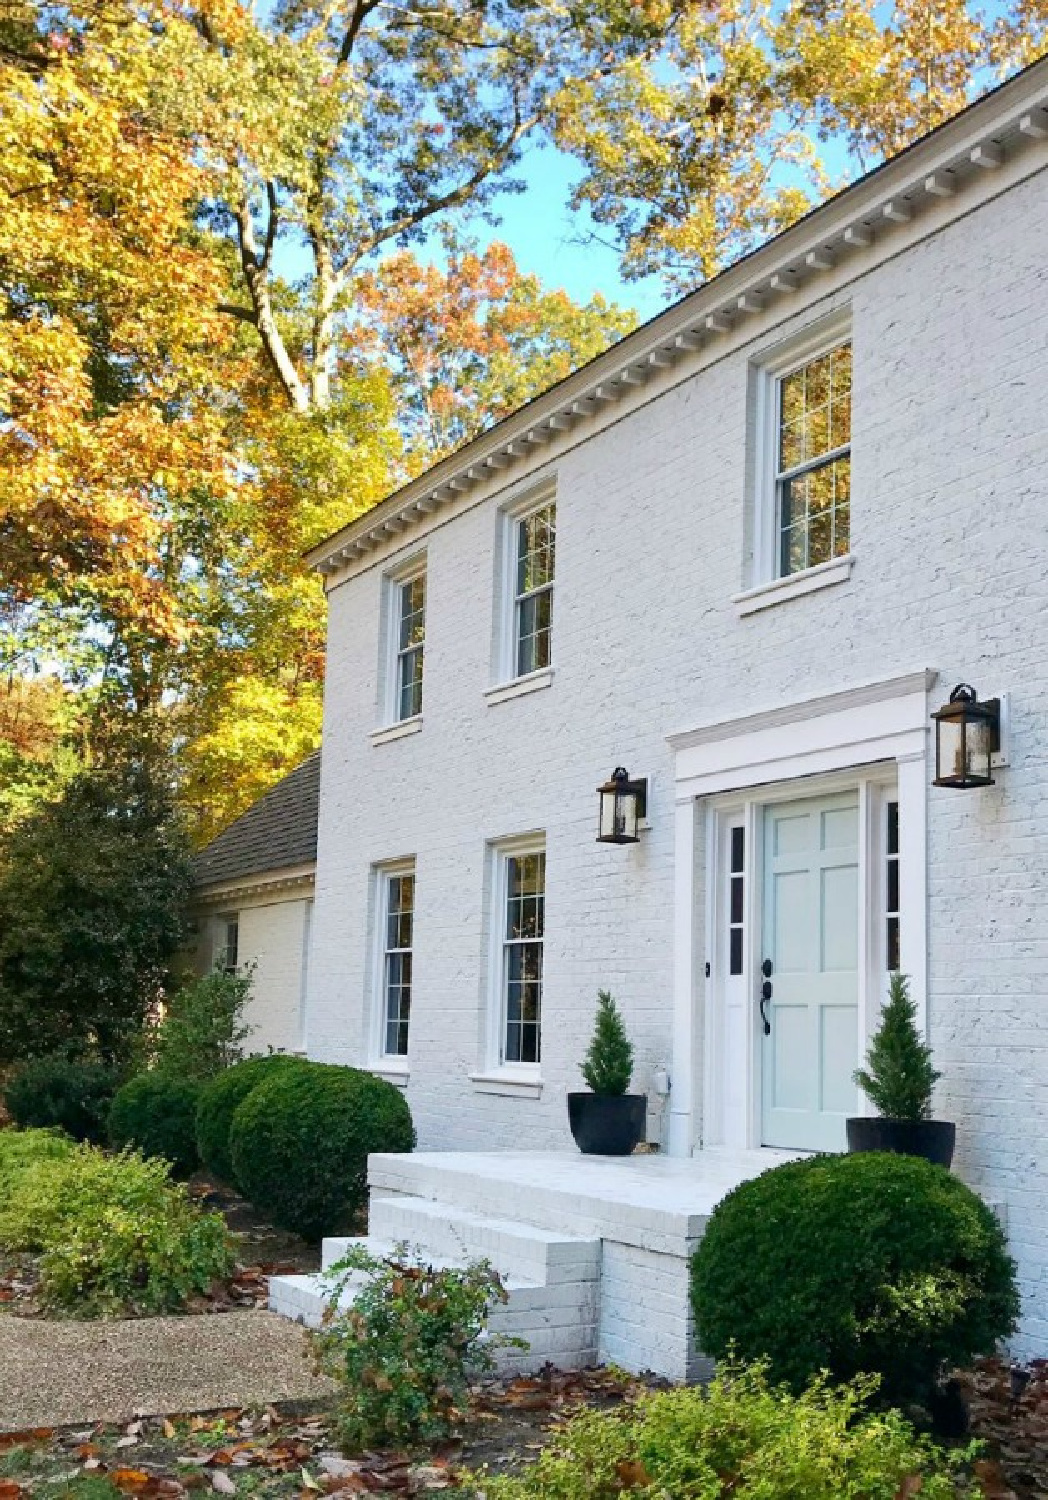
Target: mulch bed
{"type": "Point", "coordinates": [288, 1451]}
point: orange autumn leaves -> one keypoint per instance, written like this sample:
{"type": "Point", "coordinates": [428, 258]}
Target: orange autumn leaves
{"type": "Point", "coordinates": [105, 324]}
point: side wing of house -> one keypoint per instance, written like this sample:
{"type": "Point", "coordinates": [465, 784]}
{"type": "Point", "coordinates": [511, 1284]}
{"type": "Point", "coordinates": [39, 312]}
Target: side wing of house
{"type": "Point", "coordinates": [253, 907]}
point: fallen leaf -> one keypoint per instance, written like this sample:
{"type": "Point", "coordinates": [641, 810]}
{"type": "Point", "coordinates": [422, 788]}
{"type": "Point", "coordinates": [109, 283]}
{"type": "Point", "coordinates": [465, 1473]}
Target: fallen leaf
{"type": "Point", "coordinates": [9, 1490]}
{"type": "Point", "coordinates": [127, 1442]}
{"type": "Point", "coordinates": [633, 1475]}
{"type": "Point", "coordinates": [222, 1484]}
{"type": "Point", "coordinates": [169, 1429]}
{"type": "Point", "coordinates": [131, 1481]}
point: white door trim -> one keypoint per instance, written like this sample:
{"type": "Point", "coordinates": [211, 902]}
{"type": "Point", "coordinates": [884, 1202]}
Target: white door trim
{"type": "Point", "coordinates": [876, 732]}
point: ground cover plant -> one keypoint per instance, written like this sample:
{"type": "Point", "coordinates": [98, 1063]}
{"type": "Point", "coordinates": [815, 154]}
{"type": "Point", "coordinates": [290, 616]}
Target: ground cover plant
{"type": "Point", "coordinates": [403, 1352]}
{"type": "Point", "coordinates": [155, 1112]}
{"type": "Point", "coordinates": [300, 1141]}
{"type": "Point", "coordinates": [116, 1237]}
{"type": "Point", "coordinates": [741, 1437]}
{"type": "Point", "coordinates": [64, 1093]}
{"type": "Point", "coordinates": [869, 1263]}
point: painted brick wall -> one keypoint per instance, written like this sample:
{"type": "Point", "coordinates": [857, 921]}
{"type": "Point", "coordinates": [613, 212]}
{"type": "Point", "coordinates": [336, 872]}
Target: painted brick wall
{"type": "Point", "coordinates": [271, 939]}
{"type": "Point", "coordinates": [950, 537]}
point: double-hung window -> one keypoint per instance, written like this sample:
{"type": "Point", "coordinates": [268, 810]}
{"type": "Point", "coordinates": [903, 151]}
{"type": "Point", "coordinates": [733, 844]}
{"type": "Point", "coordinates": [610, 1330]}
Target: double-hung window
{"type": "Point", "coordinates": [227, 954]}
{"type": "Point", "coordinates": [410, 628]}
{"type": "Point", "coordinates": [523, 931]}
{"type": "Point", "coordinates": [813, 461]}
{"type": "Point", "coordinates": [398, 919]}
{"type": "Point", "coordinates": [535, 560]}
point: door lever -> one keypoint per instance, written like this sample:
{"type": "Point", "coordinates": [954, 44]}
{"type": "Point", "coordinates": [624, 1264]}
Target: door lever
{"type": "Point", "coordinates": [765, 997]}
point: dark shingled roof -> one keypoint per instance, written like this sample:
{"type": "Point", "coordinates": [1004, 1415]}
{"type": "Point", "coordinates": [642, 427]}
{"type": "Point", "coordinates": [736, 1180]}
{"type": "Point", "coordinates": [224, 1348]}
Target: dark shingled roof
{"type": "Point", "coordinates": [276, 833]}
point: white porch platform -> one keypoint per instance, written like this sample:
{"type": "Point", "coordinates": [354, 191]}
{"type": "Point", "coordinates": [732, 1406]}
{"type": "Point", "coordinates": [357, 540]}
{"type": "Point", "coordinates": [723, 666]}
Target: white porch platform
{"type": "Point", "coordinates": [594, 1250]}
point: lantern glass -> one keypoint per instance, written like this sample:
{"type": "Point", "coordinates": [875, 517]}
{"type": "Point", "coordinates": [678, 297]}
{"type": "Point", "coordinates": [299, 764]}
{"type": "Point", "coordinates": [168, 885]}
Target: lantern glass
{"type": "Point", "coordinates": [966, 736]}
{"type": "Point", "coordinates": [622, 806]}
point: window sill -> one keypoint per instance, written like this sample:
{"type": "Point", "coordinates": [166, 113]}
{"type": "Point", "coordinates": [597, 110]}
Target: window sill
{"type": "Point", "coordinates": [517, 688]}
{"type": "Point", "coordinates": [397, 731]}
{"type": "Point", "coordinates": [504, 1081]}
{"type": "Point", "coordinates": [837, 570]}
{"type": "Point", "coordinates": [391, 1073]}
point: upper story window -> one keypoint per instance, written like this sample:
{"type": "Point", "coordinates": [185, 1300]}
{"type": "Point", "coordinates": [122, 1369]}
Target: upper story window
{"type": "Point", "coordinates": [536, 545]}
{"type": "Point", "coordinates": [813, 463]}
{"type": "Point", "coordinates": [410, 643]}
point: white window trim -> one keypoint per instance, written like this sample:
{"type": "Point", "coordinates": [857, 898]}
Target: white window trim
{"type": "Point", "coordinates": [505, 662]}
{"type": "Point", "coordinates": [391, 727]}
{"type": "Point", "coordinates": [494, 1074]}
{"type": "Point", "coordinates": [392, 1065]}
{"type": "Point", "coordinates": [767, 586]}
{"type": "Point", "coordinates": [220, 942]}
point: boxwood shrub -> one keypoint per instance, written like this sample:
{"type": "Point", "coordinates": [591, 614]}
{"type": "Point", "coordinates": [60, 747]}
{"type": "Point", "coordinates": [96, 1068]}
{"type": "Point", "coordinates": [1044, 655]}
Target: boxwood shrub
{"type": "Point", "coordinates": [62, 1093]}
{"type": "Point", "coordinates": [156, 1113]}
{"type": "Point", "coordinates": [869, 1263]}
{"type": "Point", "coordinates": [299, 1143]}
{"type": "Point", "coordinates": [219, 1101]}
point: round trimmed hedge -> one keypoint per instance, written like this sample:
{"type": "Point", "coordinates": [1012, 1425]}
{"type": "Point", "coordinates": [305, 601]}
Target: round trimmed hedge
{"type": "Point", "coordinates": [299, 1143]}
{"type": "Point", "coordinates": [63, 1093]}
{"type": "Point", "coordinates": [868, 1263]}
{"type": "Point", "coordinates": [156, 1114]}
{"type": "Point", "coordinates": [219, 1101]}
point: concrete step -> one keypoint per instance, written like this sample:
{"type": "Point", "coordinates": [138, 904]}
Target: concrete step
{"type": "Point", "coordinates": [515, 1249]}
{"type": "Point", "coordinates": [558, 1320]}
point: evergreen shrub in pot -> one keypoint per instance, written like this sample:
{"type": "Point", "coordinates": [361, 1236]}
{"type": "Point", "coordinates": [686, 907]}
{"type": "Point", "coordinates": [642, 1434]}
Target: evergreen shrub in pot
{"type": "Point", "coordinates": [898, 1079]}
{"type": "Point", "coordinates": [608, 1121]}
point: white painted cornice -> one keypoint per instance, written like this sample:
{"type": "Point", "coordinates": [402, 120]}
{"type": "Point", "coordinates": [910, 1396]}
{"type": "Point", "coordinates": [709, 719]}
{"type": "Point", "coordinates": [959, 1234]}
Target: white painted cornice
{"type": "Point", "coordinates": [994, 143]}
{"type": "Point", "coordinates": [277, 883]}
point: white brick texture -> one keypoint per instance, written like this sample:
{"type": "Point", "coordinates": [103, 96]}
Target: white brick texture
{"type": "Point", "coordinates": [950, 540]}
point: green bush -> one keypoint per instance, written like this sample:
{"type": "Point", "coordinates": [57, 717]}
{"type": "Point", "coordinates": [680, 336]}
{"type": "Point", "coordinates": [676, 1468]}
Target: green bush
{"type": "Point", "coordinates": [869, 1263]}
{"type": "Point", "coordinates": [219, 1101]}
{"type": "Point", "coordinates": [299, 1143]}
{"type": "Point", "coordinates": [738, 1437]}
{"type": "Point", "coordinates": [22, 1149]}
{"type": "Point", "coordinates": [62, 1092]}
{"type": "Point", "coordinates": [157, 1114]}
{"type": "Point", "coordinates": [403, 1352]}
{"type": "Point", "coordinates": [117, 1236]}
{"type": "Point", "coordinates": [899, 1078]}
{"type": "Point", "coordinates": [203, 1026]}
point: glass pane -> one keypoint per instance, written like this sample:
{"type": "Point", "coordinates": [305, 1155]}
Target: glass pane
{"type": "Point", "coordinates": [892, 945]}
{"type": "Point", "coordinates": [736, 899]}
{"type": "Point", "coordinates": [738, 846]}
{"type": "Point", "coordinates": [536, 549]}
{"type": "Point", "coordinates": [412, 611]}
{"type": "Point", "coordinates": [893, 828]}
{"type": "Point", "coordinates": [815, 408]}
{"type": "Point", "coordinates": [735, 957]}
{"type": "Point", "coordinates": [892, 901]}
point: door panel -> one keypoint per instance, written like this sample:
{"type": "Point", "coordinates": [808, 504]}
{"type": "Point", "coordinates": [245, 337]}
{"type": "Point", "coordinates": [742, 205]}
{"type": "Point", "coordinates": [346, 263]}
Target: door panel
{"type": "Point", "coordinates": [810, 931]}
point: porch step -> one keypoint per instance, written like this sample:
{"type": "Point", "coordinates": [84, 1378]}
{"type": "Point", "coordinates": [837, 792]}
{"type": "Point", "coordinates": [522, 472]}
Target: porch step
{"type": "Point", "coordinates": [516, 1250]}
{"type": "Point", "coordinates": [555, 1309]}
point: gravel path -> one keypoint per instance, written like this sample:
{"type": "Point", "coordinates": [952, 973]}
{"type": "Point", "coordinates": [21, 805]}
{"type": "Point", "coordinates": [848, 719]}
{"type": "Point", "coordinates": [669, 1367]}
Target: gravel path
{"type": "Point", "coordinates": [52, 1373]}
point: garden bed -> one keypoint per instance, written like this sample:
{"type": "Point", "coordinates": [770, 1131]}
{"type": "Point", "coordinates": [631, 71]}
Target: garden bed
{"type": "Point", "coordinates": [279, 1451]}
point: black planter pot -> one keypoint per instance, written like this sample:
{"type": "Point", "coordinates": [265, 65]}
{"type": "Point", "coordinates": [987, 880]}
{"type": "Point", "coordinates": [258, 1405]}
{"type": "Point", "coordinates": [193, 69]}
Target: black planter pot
{"type": "Point", "coordinates": [607, 1125]}
{"type": "Point", "coordinates": [932, 1139]}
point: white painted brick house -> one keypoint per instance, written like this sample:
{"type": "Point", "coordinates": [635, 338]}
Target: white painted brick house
{"type": "Point", "coordinates": [770, 663]}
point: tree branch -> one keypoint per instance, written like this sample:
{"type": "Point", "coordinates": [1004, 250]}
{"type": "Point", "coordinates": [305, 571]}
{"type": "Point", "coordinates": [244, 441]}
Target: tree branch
{"type": "Point", "coordinates": [361, 11]}
{"type": "Point", "coordinates": [256, 275]}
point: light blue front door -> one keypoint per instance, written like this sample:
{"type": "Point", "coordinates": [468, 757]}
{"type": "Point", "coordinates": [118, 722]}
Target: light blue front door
{"type": "Point", "coordinates": [810, 932]}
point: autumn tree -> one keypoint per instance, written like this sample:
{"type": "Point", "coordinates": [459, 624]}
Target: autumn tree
{"type": "Point", "coordinates": [471, 341]}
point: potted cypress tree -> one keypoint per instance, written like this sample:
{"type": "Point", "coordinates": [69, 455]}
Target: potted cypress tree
{"type": "Point", "coordinates": [608, 1121]}
{"type": "Point", "coordinates": [898, 1079]}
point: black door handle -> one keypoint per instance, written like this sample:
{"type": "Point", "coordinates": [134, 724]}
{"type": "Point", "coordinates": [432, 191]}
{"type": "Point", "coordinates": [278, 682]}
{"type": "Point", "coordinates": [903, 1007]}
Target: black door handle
{"type": "Point", "coordinates": [765, 997]}
{"type": "Point", "coordinates": [766, 968]}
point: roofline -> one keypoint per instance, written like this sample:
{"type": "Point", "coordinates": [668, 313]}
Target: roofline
{"type": "Point", "coordinates": [261, 883]}
{"type": "Point", "coordinates": [941, 164]}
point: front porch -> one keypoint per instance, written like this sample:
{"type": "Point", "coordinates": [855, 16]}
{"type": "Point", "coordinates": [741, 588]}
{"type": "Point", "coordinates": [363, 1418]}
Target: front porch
{"type": "Point", "coordinates": [594, 1251]}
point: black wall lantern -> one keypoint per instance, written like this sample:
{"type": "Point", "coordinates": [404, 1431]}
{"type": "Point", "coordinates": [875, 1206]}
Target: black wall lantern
{"type": "Point", "coordinates": [623, 803]}
{"type": "Point", "coordinates": [967, 736]}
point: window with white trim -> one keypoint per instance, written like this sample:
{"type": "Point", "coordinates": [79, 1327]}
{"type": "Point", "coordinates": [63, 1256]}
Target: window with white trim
{"type": "Point", "coordinates": [534, 567]}
{"type": "Point", "coordinates": [523, 925]}
{"type": "Point", "coordinates": [227, 944]}
{"type": "Point", "coordinates": [813, 461]}
{"type": "Point", "coordinates": [398, 931]}
{"type": "Point", "coordinates": [410, 640]}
